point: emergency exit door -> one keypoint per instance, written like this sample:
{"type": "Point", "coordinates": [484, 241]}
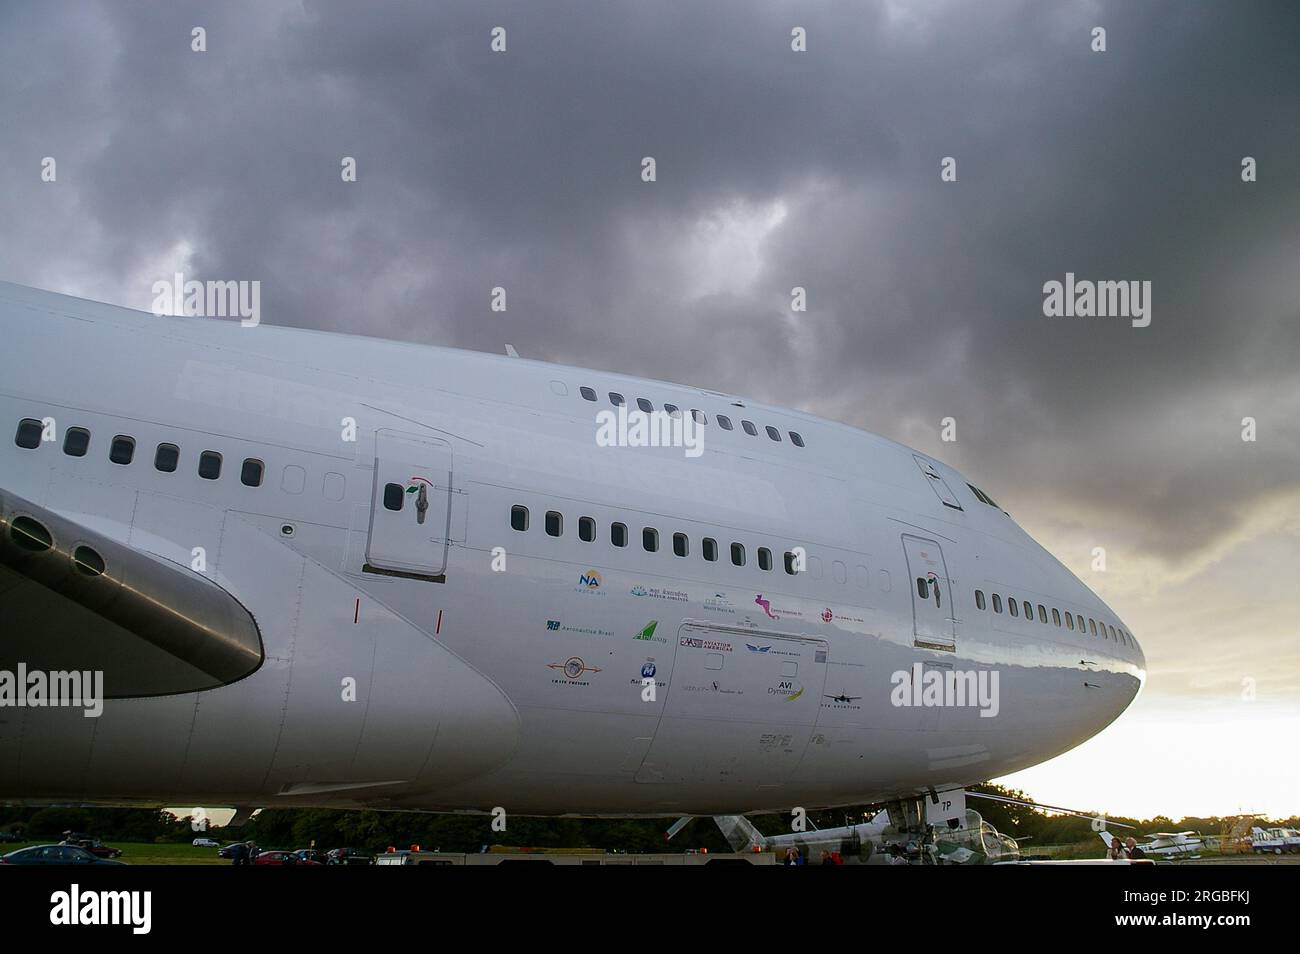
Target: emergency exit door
{"type": "Point", "coordinates": [933, 607]}
{"type": "Point", "coordinates": [410, 506]}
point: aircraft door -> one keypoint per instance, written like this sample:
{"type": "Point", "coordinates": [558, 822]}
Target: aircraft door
{"type": "Point", "coordinates": [409, 506]}
{"type": "Point", "coordinates": [740, 709]}
{"type": "Point", "coordinates": [932, 597]}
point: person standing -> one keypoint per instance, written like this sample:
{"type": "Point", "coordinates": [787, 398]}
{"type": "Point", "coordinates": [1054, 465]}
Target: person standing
{"type": "Point", "coordinates": [1116, 852]}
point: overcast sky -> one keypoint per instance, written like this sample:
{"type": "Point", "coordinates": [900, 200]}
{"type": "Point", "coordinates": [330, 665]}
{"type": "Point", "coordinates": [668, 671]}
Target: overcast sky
{"type": "Point", "coordinates": [819, 169]}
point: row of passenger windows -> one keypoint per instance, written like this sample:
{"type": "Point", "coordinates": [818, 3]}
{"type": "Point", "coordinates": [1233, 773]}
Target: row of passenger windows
{"type": "Point", "coordinates": [698, 416]}
{"type": "Point", "coordinates": [121, 450]}
{"type": "Point", "coordinates": [619, 536]}
{"type": "Point", "coordinates": [1072, 620]}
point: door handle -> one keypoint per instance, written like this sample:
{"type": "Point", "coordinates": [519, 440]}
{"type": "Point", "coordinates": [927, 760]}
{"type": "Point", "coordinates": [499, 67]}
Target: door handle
{"type": "Point", "coordinates": [421, 503]}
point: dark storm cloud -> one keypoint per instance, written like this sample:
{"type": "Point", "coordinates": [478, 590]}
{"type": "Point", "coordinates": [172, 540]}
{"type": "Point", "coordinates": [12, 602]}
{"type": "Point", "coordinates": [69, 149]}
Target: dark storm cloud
{"type": "Point", "coordinates": [775, 169]}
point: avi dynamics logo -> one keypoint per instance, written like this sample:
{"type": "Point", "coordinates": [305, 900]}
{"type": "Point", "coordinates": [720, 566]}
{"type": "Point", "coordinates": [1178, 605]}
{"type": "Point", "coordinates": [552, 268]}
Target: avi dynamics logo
{"type": "Point", "coordinates": [946, 688]}
{"type": "Point", "coordinates": [785, 688]}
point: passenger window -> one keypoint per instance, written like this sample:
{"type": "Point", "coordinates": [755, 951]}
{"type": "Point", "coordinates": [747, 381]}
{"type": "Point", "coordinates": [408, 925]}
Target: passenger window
{"type": "Point", "coordinates": [796, 439]}
{"type": "Point", "coordinates": [699, 416]}
{"type": "Point", "coordinates": [1112, 632]}
{"type": "Point", "coordinates": [518, 517]}
{"type": "Point", "coordinates": [1092, 626]}
{"type": "Point", "coordinates": [764, 558]}
{"type": "Point", "coordinates": [1069, 620]}
{"type": "Point", "coordinates": [1079, 619]}
{"type": "Point", "coordinates": [1014, 607]}
{"type": "Point", "coordinates": [997, 603]}
{"type": "Point", "coordinates": [28, 434]}
{"type": "Point", "coordinates": [616, 399]}
{"type": "Point", "coordinates": [650, 539]}
{"type": "Point", "coordinates": [1056, 616]}
{"type": "Point", "coordinates": [618, 534]}
{"type": "Point", "coordinates": [209, 465]}
{"type": "Point", "coordinates": [737, 554]}
{"type": "Point", "coordinates": [839, 571]}
{"type": "Point", "coordinates": [979, 597]}
{"type": "Point", "coordinates": [644, 405]}
{"type": "Point", "coordinates": [1042, 613]}
{"type": "Point", "coordinates": [773, 433]}
{"type": "Point", "coordinates": [122, 450]}
{"type": "Point", "coordinates": [554, 523]}
{"type": "Point", "coordinates": [587, 394]}
{"type": "Point", "coordinates": [586, 529]}
{"type": "Point", "coordinates": [680, 545]}
{"type": "Point", "coordinates": [394, 496]}
{"type": "Point", "coordinates": [76, 441]}
{"type": "Point", "coordinates": [250, 475]}
{"type": "Point", "coordinates": [673, 410]}
{"type": "Point", "coordinates": [724, 422]}
{"type": "Point", "coordinates": [166, 458]}
{"type": "Point", "coordinates": [1029, 611]}
{"type": "Point", "coordinates": [709, 549]}
{"type": "Point", "coordinates": [791, 563]}
{"type": "Point", "coordinates": [749, 427]}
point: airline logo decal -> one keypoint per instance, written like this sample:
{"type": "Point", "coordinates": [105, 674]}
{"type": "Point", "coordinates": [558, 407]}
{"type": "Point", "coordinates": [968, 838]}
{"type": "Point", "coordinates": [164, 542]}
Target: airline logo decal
{"type": "Point", "coordinates": [767, 650]}
{"type": "Point", "coordinates": [659, 593]}
{"type": "Point", "coordinates": [648, 670]}
{"type": "Point", "coordinates": [720, 603]}
{"type": "Point", "coordinates": [776, 612]}
{"type": "Point", "coordinates": [590, 582]}
{"type": "Point", "coordinates": [648, 633]}
{"type": "Point", "coordinates": [841, 701]}
{"type": "Point", "coordinates": [574, 669]}
{"type": "Point", "coordinates": [715, 645]}
{"type": "Point", "coordinates": [555, 626]}
{"type": "Point", "coordinates": [785, 688]}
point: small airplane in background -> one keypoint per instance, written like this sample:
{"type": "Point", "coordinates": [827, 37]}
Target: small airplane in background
{"type": "Point", "coordinates": [1165, 844]}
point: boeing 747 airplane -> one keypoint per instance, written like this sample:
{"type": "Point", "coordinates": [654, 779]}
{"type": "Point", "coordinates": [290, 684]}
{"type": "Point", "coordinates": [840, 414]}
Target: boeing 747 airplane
{"type": "Point", "coordinates": [324, 570]}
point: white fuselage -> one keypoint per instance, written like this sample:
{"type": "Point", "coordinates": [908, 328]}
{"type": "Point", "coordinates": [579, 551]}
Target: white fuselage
{"type": "Point", "coordinates": [410, 663]}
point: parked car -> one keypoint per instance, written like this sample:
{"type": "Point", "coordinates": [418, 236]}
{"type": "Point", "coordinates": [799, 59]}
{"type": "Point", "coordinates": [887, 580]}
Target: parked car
{"type": "Point", "coordinates": [348, 856]}
{"type": "Point", "coordinates": [281, 858]}
{"type": "Point", "coordinates": [54, 855]}
{"type": "Point", "coordinates": [312, 855]}
{"type": "Point", "coordinates": [205, 843]}
{"type": "Point", "coordinates": [91, 844]}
